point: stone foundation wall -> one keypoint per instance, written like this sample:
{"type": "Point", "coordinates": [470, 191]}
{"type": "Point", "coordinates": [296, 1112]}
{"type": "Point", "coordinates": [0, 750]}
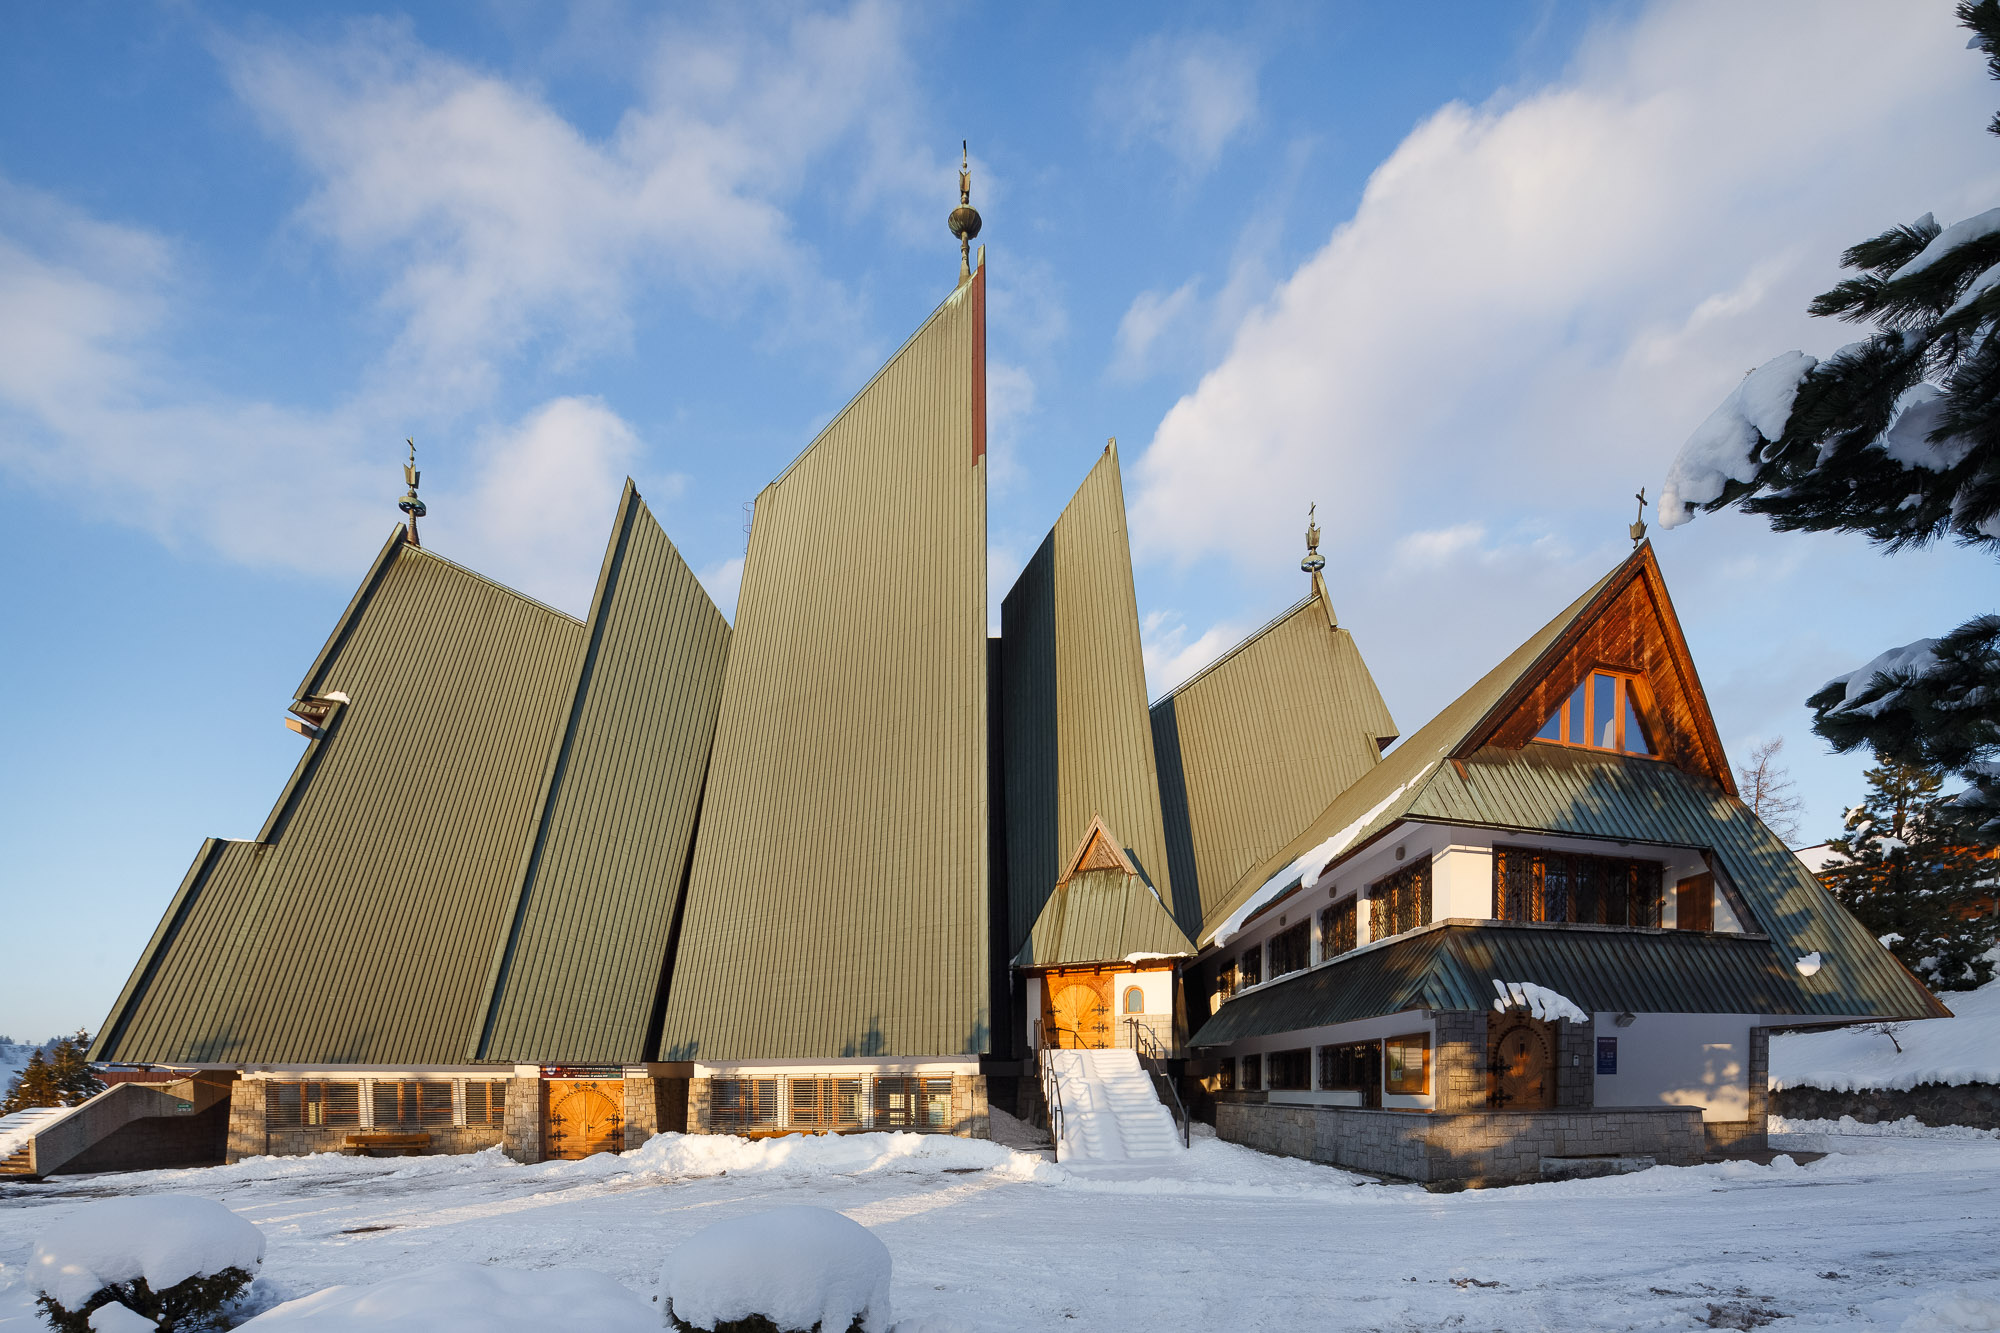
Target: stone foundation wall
{"type": "Point", "coordinates": [247, 1137]}
{"type": "Point", "coordinates": [1480, 1147]}
{"type": "Point", "coordinates": [1458, 1060]}
{"type": "Point", "coordinates": [1975, 1104]}
{"type": "Point", "coordinates": [521, 1135]}
{"type": "Point", "coordinates": [642, 1111]}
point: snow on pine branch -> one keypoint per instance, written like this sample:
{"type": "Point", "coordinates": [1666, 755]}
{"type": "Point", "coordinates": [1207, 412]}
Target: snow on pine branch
{"type": "Point", "coordinates": [1975, 228]}
{"type": "Point", "coordinates": [1540, 1002]}
{"type": "Point", "coordinates": [1871, 688]}
{"type": "Point", "coordinates": [1724, 448]}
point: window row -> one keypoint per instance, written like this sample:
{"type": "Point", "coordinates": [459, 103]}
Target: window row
{"type": "Point", "coordinates": [391, 1103]}
{"type": "Point", "coordinates": [1537, 884]}
{"type": "Point", "coordinates": [1397, 1065]}
{"type": "Point", "coordinates": [822, 1105]}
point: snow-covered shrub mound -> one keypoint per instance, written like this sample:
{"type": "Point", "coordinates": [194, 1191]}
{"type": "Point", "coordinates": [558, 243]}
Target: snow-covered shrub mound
{"type": "Point", "coordinates": [678, 1156]}
{"type": "Point", "coordinates": [469, 1298]}
{"type": "Point", "coordinates": [174, 1258]}
{"type": "Point", "coordinates": [791, 1270]}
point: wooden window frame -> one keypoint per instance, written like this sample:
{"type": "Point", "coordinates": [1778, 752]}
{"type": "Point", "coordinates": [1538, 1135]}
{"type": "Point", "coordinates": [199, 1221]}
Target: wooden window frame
{"type": "Point", "coordinates": [1298, 1070]}
{"type": "Point", "coordinates": [1404, 896]}
{"type": "Point", "coordinates": [1252, 1079]}
{"type": "Point", "coordinates": [1338, 928]}
{"type": "Point", "coordinates": [1131, 991]}
{"type": "Point", "coordinates": [1298, 943]}
{"type": "Point", "coordinates": [1403, 1087]}
{"type": "Point", "coordinates": [1533, 864]}
{"type": "Point", "coordinates": [1629, 685]}
{"type": "Point", "coordinates": [1250, 967]}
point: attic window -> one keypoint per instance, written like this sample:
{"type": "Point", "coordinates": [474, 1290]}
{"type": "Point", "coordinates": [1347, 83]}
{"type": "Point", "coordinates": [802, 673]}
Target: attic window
{"type": "Point", "coordinates": [1605, 712]}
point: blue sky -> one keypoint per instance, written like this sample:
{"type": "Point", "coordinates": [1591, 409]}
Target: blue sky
{"type": "Point", "coordinates": [1465, 275]}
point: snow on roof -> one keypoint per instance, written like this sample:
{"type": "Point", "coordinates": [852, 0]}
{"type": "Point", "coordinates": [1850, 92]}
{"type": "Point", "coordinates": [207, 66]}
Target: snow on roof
{"type": "Point", "coordinates": [18, 1128]}
{"type": "Point", "coordinates": [1540, 1002]}
{"type": "Point", "coordinates": [1817, 857]}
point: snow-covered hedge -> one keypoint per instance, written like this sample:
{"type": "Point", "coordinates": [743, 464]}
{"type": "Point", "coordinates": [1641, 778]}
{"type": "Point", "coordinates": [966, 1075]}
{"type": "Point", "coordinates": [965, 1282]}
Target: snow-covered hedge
{"type": "Point", "coordinates": [174, 1258]}
{"type": "Point", "coordinates": [469, 1298]}
{"type": "Point", "coordinates": [785, 1271]}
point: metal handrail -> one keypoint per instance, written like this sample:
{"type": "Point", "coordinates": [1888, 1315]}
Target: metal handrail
{"type": "Point", "coordinates": [1052, 1097]}
{"type": "Point", "coordinates": [1147, 1047]}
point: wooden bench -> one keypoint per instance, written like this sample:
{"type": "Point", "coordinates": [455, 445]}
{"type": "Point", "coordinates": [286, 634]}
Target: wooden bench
{"type": "Point", "coordinates": [386, 1145]}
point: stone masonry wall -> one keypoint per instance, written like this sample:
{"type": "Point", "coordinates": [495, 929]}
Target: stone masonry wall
{"type": "Point", "coordinates": [522, 1134]}
{"type": "Point", "coordinates": [1975, 1104]}
{"type": "Point", "coordinates": [1458, 1060]}
{"type": "Point", "coordinates": [700, 1094]}
{"type": "Point", "coordinates": [969, 1118]}
{"type": "Point", "coordinates": [1488, 1147]}
{"type": "Point", "coordinates": [247, 1135]}
{"type": "Point", "coordinates": [642, 1110]}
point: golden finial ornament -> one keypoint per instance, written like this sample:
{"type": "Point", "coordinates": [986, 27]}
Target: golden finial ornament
{"type": "Point", "coordinates": [965, 218]}
{"type": "Point", "coordinates": [410, 504]}
{"type": "Point", "coordinates": [1638, 528]}
{"type": "Point", "coordinates": [1314, 561]}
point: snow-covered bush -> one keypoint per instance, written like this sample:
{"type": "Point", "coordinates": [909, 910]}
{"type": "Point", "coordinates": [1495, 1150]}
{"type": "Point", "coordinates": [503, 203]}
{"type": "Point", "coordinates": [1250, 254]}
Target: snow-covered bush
{"type": "Point", "coordinates": [468, 1298]}
{"type": "Point", "coordinates": [175, 1259]}
{"type": "Point", "coordinates": [791, 1270]}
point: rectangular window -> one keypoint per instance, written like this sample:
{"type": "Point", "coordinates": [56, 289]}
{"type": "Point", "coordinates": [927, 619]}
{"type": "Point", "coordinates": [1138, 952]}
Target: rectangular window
{"type": "Point", "coordinates": [1401, 902]}
{"type": "Point", "coordinates": [739, 1104]}
{"type": "Point", "coordinates": [1225, 979]}
{"type": "Point", "coordinates": [1406, 1064]}
{"type": "Point", "coordinates": [1355, 1066]}
{"type": "Point", "coordinates": [1291, 949]}
{"type": "Point", "coordinates": [313, 1105]}
{"type": "Point", "coordinates": [1225, 1078]}
{"type": "Point", "coordinates": [826, 1104]}
{"type": "Point", "coordinates": [1291, 1071]}
{"type": "Point", "coordinates": [409, 1104]}
{"type": "Point", "coordinates": [1336, 929]}
{"type": "Point", "coordinates": [1537, 884]}
{"type": "Point", "coordinates": [485, 1102]}
{"type": "Point", "coordinates": [1250, 967]}
{"type": "Point", "coordinates": [912, 1103]}
{"type": "Point", "coordinates": [1605, 712]}
{"type": "Point", "coordinates": [1253, 1072]}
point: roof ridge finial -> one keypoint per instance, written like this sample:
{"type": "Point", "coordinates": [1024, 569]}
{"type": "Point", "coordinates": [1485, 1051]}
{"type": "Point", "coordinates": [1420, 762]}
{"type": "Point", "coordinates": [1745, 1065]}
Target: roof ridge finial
{"type": "Point", "coordinates": [410, 504]}
{"type": "Point", "coordinates": [1638, 528]}
{"type": "Point", "coordinates": [964, 221]}
{"type": "Point", "coordinates": [1315, 562]}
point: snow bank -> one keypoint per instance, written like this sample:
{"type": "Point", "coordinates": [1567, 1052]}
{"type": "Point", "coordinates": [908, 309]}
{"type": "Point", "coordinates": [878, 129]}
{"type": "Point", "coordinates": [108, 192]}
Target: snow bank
{"type": "Point", "coordinates": [1965, 1049]}
{"type": "Point", "coordinates": [470, 1298]}
{"type": "Point", "coordinates": [116, 1318]}
{"type": "Point", "coordinates": [678, 1156]}
{"type": "Point", "coordinates": [18, 1128]}
{"type": "Point", "coordinates": [1724, 447]}
{"type": "Point", "coordinates": [800, 1267]}
{"type": "Point", "coordinates": [163, 1238]}
{"type": "Point", "coordinates": [1308, 868]}
{"type": "Point", "coordinates": [1540, 1002]}
{"type": "Point", "coordinates": [1909, 1127]}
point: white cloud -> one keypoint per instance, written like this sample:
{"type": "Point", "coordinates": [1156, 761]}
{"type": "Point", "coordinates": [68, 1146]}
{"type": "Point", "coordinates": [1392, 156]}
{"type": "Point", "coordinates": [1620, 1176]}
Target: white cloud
{"type": "Point", "coordinates": [1190, 95]}
{"type": "Point", "coordinates": [1171, 656]}
{"type": "Point", "coordinates": [724, 580]}
{"type": "Point", "coordinates": [1151, 315]}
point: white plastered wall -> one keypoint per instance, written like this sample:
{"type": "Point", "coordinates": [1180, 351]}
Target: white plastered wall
{"type": "Point", "coordinates": [1680, 1060]}
{"type": "Point", "coordinates": [1158, 985]}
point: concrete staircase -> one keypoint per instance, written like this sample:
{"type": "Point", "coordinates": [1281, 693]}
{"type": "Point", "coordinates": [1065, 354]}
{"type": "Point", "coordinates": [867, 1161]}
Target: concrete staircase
{"type": "Point", "coordinates": [1110, 1111]}
{"type": "Point", "coordinates": [127, 1126]}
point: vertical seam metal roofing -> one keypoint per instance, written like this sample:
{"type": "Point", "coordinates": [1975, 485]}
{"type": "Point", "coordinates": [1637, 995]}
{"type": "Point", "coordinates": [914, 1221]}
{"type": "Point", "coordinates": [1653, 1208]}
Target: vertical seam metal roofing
{"type": "Point", "coordinates": [1258, 744]}
{"type": "Point", "coordinates": [581, 966]}
{"type": "Point", "coordinates": [837, 903]}
{"type": "Point", "coordinates": [364, 932]}
{"type": "Point", "coordinates": [1078, 741]}
{"type": "Point", "coordinates": [1101, 916]}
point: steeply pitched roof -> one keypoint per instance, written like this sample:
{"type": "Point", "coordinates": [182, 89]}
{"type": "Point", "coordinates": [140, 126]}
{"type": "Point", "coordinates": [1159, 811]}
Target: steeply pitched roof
{"type": "Point", "coordinates": [360, 927]}
{"type": "Point", "coordinates": [1256, 745]}
{"type": "Point", "coordinates": [1074, 731]}
{"type": "Point", "coordinates": [1452, 965]}
{"type": "Point", "coordinates": [1101, 916]}
{"type": "Point", "coordinates": [838, 902]}
{"type": "Point", "coordinates": [579, 971]}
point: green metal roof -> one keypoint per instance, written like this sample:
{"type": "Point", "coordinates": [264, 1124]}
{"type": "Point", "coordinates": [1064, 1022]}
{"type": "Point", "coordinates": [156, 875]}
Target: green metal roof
{"type": "Point", "coordinates": [1452, 965]}
{"type": "Point", "coordinates": [1075, 737]}
{"type": "Point", "coordinates": [579, 972]}
{"type": "Point", "coordinates": [361, 926]}
{"type": "Point", "coordinates": [1255, 746]}
{"type": "Point", "coordinates": [838, 902]}
{"type": "Point", "coordinates": [1101, 916]}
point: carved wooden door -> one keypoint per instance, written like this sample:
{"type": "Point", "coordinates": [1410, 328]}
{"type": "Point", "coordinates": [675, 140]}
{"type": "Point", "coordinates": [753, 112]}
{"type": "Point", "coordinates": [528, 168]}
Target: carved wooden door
{"type": "Point", "coordinates": [1077, 1012]}
{"type": "Point", "coordinates": [1521, 1064]}
{"type": "Point", "coordinates": [586, 1116]}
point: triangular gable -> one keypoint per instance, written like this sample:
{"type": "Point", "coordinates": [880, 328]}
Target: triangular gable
{"type": "Point", "coordinates": [1628, 627]}
{"type": "Point", "coordinates": [1098, 851]}
{"type": "Point", "coordinates": [1102, 916]}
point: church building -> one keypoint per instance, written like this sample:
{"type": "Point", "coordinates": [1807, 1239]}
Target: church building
{"type": "Point", "coordinates": [851, 863]}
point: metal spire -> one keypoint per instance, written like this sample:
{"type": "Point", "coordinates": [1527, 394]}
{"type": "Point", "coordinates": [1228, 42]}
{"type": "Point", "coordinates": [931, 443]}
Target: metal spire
{"type": "Point", "coordinates": [1314, 563]}
{"type": "Point", "coordinates": [964, 221]}
{"type": "Point", "coordinates": [410, 504]}
{"type": "Point", "coordinates": [1638, 528]}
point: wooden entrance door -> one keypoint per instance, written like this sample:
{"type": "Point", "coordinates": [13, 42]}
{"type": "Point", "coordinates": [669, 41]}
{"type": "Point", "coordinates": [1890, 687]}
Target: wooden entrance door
{"type": "Point", "coordinates": [1076, 1011]}
{"type": "Point", "coordinates": [1521, 1064]}
{"type": "Point", "coordinates": [586, 1116]}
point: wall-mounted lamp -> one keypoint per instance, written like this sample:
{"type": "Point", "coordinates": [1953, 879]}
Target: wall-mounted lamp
{"type": "Point", "coordinates": [1626, 1020]}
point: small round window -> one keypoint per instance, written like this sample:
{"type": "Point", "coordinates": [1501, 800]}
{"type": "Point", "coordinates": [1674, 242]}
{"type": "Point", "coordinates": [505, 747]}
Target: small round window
{"type": "Point", "coordinates": [1135, 1000]}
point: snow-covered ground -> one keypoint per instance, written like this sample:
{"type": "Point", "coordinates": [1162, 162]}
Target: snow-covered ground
{"type": "Point", "coordinates": [1886, 1233]}
{"type": "Point", "coordinates": [1961, 1049]}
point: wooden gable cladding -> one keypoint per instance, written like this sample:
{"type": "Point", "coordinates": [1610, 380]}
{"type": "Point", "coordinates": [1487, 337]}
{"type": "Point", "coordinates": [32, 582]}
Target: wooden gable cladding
{"type": "Point", "coordinates": [1098, 851]}
{"type": "Point", "coordinates": [1629, 628]}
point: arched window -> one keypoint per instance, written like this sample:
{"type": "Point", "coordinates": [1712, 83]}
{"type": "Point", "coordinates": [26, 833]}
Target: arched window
{"type": "Point", "coordinates": [1135, 1000]}
{"type": "Point", "coordinates": [1605, 712]}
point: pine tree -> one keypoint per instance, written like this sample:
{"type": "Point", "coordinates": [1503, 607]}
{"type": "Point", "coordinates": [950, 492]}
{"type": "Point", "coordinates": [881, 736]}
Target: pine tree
{"type": "Point", "coordinates": [1896, 436]}
{"type": "Point", "coordinates": [34, 1086]}
{"type": "Point", "coordinates": [75, 1083]}
{"type": "Point", "coordinates": [1910, 870]}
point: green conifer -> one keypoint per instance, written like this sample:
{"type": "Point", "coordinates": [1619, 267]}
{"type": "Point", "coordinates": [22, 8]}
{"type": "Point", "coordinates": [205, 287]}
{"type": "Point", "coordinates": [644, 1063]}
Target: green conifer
{"type": "Point", "coordinates": [34, 1086]}
{"type": "Point", "coordinates": [75, 1083]}
{"type": "Point", "coordinates": [1912, 869]}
